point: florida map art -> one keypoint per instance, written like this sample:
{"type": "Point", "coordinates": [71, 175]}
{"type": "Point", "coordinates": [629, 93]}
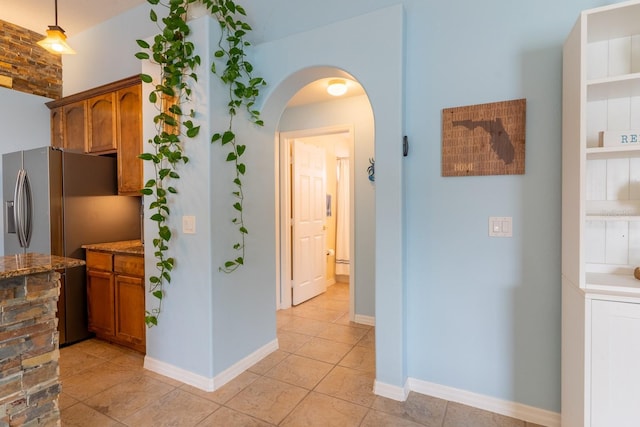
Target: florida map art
{"type": "Point", "coordinates": [484, 139]}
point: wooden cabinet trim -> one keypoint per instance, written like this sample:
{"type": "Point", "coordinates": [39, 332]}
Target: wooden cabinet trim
{"type": "Point", "coordinates": [80, 96]}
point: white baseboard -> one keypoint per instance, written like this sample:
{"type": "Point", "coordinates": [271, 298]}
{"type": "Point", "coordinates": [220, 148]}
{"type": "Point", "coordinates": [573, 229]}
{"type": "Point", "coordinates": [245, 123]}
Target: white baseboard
{"type": "Point", "coordinates": [342, 278]}
{"type": "Point", "coordinates": [391, 391]}
{"type": "Point", "coordinates": [511, 409]}
{"type": "Point", "coordinates": [365, 320]}
{"type": "Point", "coordinates": [239, 367]}
{"type": "Point", "coordinates": [209, 384]}
{"type": "Point", "coordinates": [179, 374]}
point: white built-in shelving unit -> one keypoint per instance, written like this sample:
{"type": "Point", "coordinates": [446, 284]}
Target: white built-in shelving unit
{"type": "Point", "coordinates": [601, 220]}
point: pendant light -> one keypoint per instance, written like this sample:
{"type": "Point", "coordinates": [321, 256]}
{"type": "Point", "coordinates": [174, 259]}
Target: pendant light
{"type": "Point", "coordinates": [55, 42]}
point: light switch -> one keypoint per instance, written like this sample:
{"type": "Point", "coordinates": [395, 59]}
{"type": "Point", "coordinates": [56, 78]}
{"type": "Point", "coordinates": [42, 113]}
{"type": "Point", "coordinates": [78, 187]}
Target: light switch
{"type": "Point", "coordinates": [500, 226]}
{"type": "Point", "coordinates": [189, 224]}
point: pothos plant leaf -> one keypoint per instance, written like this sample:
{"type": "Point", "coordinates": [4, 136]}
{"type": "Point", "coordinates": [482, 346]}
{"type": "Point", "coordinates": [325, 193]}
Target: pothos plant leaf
{"type": "Point", "coordinates": [235, 70]}
{"type": "Point", "coordinates": [172, 51]}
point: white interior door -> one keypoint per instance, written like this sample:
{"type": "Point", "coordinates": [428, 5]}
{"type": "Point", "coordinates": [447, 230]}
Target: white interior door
{"type": "Point", "coordinates": [309, 210]}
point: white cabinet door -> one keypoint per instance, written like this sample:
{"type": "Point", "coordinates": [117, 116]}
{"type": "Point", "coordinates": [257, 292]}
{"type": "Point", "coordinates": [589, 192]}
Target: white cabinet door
{"type": "Point", "coordinates": [615, 364]}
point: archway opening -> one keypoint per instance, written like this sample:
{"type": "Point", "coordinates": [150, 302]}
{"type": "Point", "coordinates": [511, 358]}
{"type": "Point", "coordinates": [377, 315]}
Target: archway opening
{"type": "Point", "coordinates": [343, 129]}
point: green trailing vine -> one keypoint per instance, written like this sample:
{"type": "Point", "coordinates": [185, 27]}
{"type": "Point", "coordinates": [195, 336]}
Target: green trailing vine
{"type": "Point", "coordinates": [243, 90]}
{"type": "Point", "coordinates": [174, 54]}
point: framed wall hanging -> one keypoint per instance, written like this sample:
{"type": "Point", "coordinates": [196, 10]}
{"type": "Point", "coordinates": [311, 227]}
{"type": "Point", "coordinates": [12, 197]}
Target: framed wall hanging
{"type": "Point", "coordinates": [484, 139]}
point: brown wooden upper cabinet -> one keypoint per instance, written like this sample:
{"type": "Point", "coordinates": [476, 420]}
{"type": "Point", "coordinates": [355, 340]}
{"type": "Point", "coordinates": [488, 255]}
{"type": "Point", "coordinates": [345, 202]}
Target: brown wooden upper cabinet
{"type": "Point", "coordinates": [74, 126]}
{"type": "Point", "coordinates": [129, 138]}
{"type": "Point", "coordinates": [104, 120]}
{"type": "Point", "coordinates": [101, 121]}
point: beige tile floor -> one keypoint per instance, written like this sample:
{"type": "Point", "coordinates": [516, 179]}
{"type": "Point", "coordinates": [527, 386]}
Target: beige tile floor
{"type": "Point", "coordinates": [322, 375]}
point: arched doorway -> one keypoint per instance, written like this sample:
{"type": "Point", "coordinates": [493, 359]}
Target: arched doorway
{"type": "Point", "coordinates": [291, 63]}
{"type": "Point", "coordinates": [329, 121]}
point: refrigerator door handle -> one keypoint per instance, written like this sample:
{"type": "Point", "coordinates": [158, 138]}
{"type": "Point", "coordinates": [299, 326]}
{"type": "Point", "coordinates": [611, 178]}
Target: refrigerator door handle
{"type": "Point", "coordinates": [16, 206]}
{"type": "Point", "coordinates": [23, 205]}
{"type": "Point", "coordinates": [9, 220]}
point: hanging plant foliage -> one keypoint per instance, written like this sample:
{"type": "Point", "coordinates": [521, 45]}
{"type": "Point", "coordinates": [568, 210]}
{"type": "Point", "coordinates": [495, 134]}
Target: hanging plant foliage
{"type": "Point", "coordinates": [172, 51]}
{"type": "Point", "coordinates": [244, 88]}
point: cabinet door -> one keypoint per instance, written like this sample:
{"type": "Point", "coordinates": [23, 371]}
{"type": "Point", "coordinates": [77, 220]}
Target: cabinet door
{"type": "Point", "coordinates": [100, 301]}
{"type": "Point", "coordinates": [130, 310]}
{"type": "Point", "coordinates": [74, 129]}
{"type": "Point", "coordinates": [56, 128]}
{"type": "Point", "coordinates": [101, 123]}
{"type": "Point", "coordinates": [129, 133]}
{"type": "Point", "coordinates": [615, 367]}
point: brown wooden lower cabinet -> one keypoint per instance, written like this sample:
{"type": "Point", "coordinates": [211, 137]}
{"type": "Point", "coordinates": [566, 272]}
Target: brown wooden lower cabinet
{"type": "Point", "coordinates": [100, 301]}
{"type": "Point", "coordinates": [115, 298]}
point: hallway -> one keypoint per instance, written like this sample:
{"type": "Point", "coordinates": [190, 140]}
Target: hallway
{"type": "Point", "coordinates": [322, 375]}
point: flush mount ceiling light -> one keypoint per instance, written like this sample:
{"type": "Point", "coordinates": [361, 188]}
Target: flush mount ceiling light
{"type": "Point", "coordinates": [55, 42]}
{"type": "Point", "coordinates": [337, 87]}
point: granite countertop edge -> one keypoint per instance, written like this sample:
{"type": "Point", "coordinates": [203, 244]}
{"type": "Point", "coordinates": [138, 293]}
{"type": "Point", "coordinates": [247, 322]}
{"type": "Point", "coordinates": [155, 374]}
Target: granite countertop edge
{"type": "Point", "coordinates": [125, 247]}
{"type": "Point", "coordinates": [32, 263]}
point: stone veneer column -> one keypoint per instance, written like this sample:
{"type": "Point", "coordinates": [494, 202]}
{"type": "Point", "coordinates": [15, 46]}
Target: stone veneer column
{"type": "Point", "coordinates": [29, 375]}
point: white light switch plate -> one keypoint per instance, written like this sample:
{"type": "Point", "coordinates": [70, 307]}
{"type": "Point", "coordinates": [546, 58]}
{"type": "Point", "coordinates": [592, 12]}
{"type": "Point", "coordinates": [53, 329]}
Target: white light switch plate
{"type": "Point", "coordinates": [189, 224]}
{"type": "Point", "coordinates": [500, 226]}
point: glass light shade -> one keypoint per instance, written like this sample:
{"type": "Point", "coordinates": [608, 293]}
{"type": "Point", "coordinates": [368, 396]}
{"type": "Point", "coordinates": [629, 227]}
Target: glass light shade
{"type": "Point", "coordinates": [55, 42]}
{"type": "Point", "coordinates": [337, 87]}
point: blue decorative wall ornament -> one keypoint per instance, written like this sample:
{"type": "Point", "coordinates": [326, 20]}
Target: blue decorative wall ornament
{"type": "Point", "coordinates": [371, 170]}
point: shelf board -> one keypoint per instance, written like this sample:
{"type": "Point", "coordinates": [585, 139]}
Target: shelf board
{"type": "Point", "coordinates": [623, 86]}
{"type": "Point", "coordinates": [612, 152]}
{"type": "Point", "coordinates": [618, 283]}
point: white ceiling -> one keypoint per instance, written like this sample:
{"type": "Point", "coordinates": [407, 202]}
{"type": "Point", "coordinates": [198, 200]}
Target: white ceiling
{"type": "Point", "coordinates": [317, 92]}
{"type": "Point", "coordinates": [75, 16]}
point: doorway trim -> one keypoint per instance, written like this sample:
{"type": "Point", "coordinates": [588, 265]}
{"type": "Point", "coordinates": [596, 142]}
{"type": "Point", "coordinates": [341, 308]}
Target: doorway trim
{"type": "Point", "coordinates": [283, 211]}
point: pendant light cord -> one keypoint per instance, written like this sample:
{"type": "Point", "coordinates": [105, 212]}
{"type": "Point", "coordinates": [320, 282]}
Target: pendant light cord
{"type": "Point", "coordinates": [56, 6]}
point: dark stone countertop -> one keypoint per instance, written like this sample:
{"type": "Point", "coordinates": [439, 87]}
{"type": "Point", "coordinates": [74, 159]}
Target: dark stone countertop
{"type": "Point", "coordinates": [30, 263]}
{"type": "Point", "coordinates": [127, 247]}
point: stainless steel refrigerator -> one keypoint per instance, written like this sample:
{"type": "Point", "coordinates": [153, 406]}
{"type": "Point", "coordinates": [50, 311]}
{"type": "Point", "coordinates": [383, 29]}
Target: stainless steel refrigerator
{"type": "Point", "coordinates": [55, 202]}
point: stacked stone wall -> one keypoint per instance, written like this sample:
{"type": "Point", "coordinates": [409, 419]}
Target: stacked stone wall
{"type": "Point", "coordinates": [29, 373]}
{"type": "Point", "coordinates": [27, 66]}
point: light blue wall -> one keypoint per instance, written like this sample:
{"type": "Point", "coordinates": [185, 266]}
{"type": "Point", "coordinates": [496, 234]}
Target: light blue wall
{"type": "Point", "coordinates": [354, 111]}
{"type": "Point", "coordinates": [212, 320]}
{"type": "Point", "coordinates": [290, 63]}
{"type": "Point", "coordinates": [244, 301]}
{"type": "Point", "coordinates": [481, 314]}
{"type": "Point", "coordinates": [184, 337]}
{"type": "Point", "coordinates": [105, 53]}
{"type": "Point", "coordinates": [484, 313]}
